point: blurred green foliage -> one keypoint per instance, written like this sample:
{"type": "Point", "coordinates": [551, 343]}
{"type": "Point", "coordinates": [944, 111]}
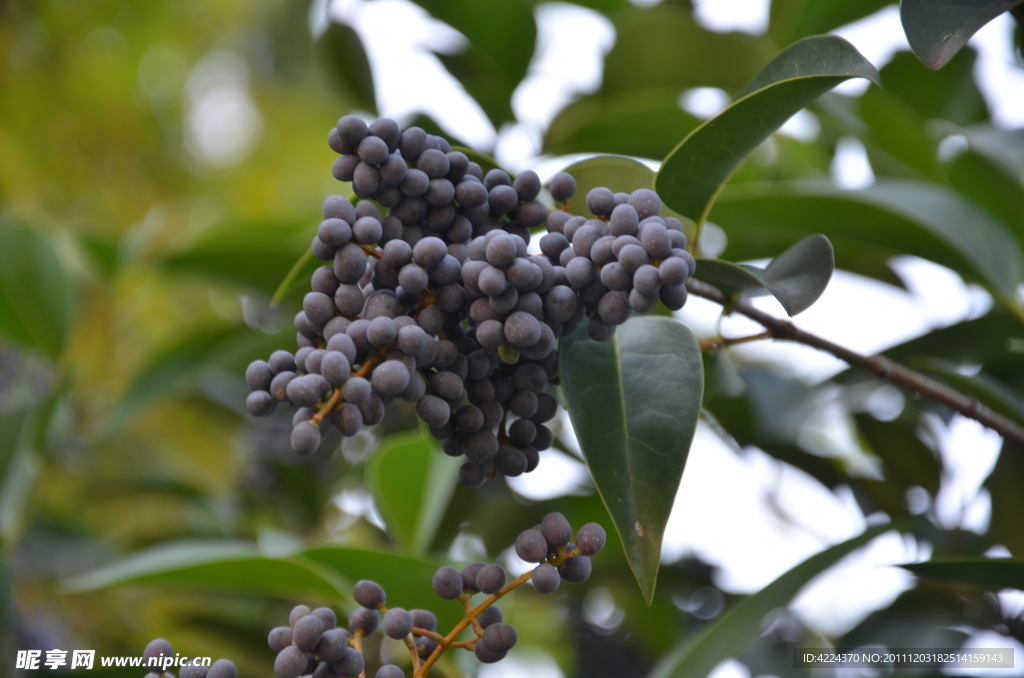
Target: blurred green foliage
{"type": "Point", "coordinates": [136, 272]}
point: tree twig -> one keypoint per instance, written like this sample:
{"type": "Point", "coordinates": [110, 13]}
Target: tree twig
{"type": "Point", "coordinates": [880, 366]}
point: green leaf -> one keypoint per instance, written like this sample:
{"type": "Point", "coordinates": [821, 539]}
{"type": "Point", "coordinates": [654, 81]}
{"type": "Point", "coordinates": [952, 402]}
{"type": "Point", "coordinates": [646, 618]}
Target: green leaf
{"type": "Point", "coordinates": [412, 482]}
{"type": "Point", "coordinates": [103, 252]}
{"type": "Point", "coordinates": [663, 47]}
{"type": "Point", "coordinates": [612, 171]}
{"type": "Point", "coordinates": [238, 567]}
{"type": "Point", "coordinates": [987, 573]}
{"type": "Point", "coordinates": [341, 51]}
{"type": "Point", "coordinates": [645, 123]}
{"type": "Point", "coordinates": [177, 367]}
{"type": "Point", "coordinates": [1004, 485]}
{"type": "Point", "coordinates": [256, 255]}
{"type": "Point", "coordinates": [798, 276]}
{"type": "Point", "coordinates": [950, 94]}
{"type": "Point", "coordinates": [991, 185]}
{"type": "Point", "coordinates": [731, 279]}
{"type": "Point", "coordinates": [871, 226]}
{"type": "Point", "coordinates": [35, 295]}
{"type": "Point", "coordinates": [742, 623]}
{"type": "Point", "coordinates": [406, 580]}
{"type": "Point", "coordinates": [501, 36]}
{"type": "Point", "coordinates": [937, 29]}
{"type": "Point", "coordinates": [300, 265]}
{"type": "Point", "coordinates": [693, 174]}
{"type": "Point", "coordinates": [634, 403]}
{"type": "Point", "coordinates": [791, 20]}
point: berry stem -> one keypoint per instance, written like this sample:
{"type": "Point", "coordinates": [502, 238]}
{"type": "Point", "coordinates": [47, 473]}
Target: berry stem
{"type": "Point", "coordinates": [880, 366]}
{"type": "Point", "coordinates": [335, 398]}
{"type": "Point", "coordinates": [471, 614]}
{"type": "Point", "coordinates": [436, 637]}
{"type": "Point", "coordinates": [326, 407]}
{"type": "Point", "coordinates": [357, 641]}
{"type": "Point", "coordinates": [723, 342]}
{"type": "Point", "coordinates": [464, 599]}
{"type": "Point", "coordinates": [411, 644]}
{"type": "Point", "coordinates": [372, 251]}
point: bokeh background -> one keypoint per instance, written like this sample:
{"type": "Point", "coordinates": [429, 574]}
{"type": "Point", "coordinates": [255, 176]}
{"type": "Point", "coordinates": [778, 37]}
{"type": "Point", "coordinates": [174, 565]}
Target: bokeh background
{"type": "Point", "coordinates": [162, 165]}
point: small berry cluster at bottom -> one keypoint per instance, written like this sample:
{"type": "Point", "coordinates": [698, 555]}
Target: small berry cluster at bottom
{"type": "Point", "coordinates": [159, 648]}
{"type": "Point", "coordinates": [312, 644]}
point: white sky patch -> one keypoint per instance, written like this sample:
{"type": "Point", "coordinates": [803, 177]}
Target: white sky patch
{"type": "Point", "coordinates": [803, 126]}
{"type": "Point", "coordinates": [998, 72]}
{"type": "Point", "coordinates": [704, 102]}
{"type": "Point", "coordinates": [407, 75]}
{"type": "Point", "coordinates": [557, 475]}
{"type": "Point", "coordinates": [990, 639]}
{"type": "Point", "coordinates": [850, 167]}
{"type": "Point", "coordinates": [572, 42]}
{"type": "Point", "coordinates": [222, 123]}
{"type": "Point", "coordinates": [842, 596]}
{"type": "Point", "coordinates": [522, 663]}
{"type": "Point", "coordinates": [730, 668]}
{"type": "Point", "coordinates": [731, 512]}
{"type": "Point", "coordinates": [969, 453]}
{"type": "Point", "coordinates": [722, 16]}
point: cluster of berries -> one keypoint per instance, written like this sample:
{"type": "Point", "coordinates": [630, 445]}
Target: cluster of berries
{"type": "Point", "coordinates": [440, 302]}
{"type": "Point", "coordinates": [313, 644]}
{"type": "Point", "coordinates": [159, 656]}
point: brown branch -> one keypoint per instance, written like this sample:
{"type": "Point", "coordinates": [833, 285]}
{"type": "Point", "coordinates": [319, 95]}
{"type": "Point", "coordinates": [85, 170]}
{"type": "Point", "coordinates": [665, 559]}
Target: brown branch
{"type": "Point", "coordinates": [372, 251]}
{"type": "Point", "coordinates": [880, 366]}
{"type": "Point", "coordinates": [357, 641]}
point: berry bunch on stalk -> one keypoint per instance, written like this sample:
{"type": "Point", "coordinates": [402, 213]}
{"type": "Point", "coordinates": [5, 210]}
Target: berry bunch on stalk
{"type": "Point", "coordinates": [313, 644]}
{"type": "Point", "coordinates": [430, 294]}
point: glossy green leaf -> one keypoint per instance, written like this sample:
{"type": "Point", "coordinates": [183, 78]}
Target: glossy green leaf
{"type": "Point", "coordinates": [612, 171]}
{"type": "Point", "coordinates": [693, 174]}
{"type": "Point", "coordinates": [341, 51]}
{"type": "Point", "coordinates": [634, 403]}
{"type": "Point", "coordinates": [868, 227]}
{"type": "Point", "coordinates": [742, 623]}
{"type": "Point", "coordinates": [501, 36]}
{"type": "Point", "coordinates": [35, 295]}
{"type": "Point", "coordinates": [224, 566]}
{"type": "Point", "coordinates": [986, 573]}
{"type": "Point", "coordinates": [731, 279]}
{"type": "Point", "coordinates": [412, 482]}
{"type": "Point", "coordinates": [798, 276]}
{"type": "Point", "coordinates": [253, 255]}
{"type": "Point", "coordinates": [406, 580]}
{"type": "Point", "coordinates": [937, 29]}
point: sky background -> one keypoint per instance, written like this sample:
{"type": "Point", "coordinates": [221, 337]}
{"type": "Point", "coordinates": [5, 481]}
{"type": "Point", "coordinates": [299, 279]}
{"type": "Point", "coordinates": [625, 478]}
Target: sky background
{"type": "Point", "coordinates": [741, 510]}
